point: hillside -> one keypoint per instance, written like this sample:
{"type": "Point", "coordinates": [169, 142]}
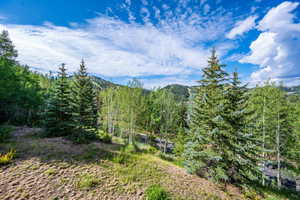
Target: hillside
{"type": "Point", "coordinates": [55, 168]}
{"type": "Point", "coordinates": [104, 83]}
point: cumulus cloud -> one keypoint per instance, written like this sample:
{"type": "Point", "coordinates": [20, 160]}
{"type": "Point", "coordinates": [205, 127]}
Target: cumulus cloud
{"type": "Point", "coordinates": [276, 50]}
{"type": "Point", "coordinates": [172, 46]}
{"type": "Point", "coordinates": [242, 27]}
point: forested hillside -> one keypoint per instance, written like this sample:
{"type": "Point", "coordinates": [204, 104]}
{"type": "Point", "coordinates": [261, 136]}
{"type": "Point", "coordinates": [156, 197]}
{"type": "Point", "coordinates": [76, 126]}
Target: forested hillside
{"type": "Point", "coordinates": [216, 140]}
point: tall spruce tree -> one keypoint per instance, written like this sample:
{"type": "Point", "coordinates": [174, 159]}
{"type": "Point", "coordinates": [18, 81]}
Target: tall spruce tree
{"type": "Point", "coordinates": [221, 145]}
{"type": "Point", "coordinates": [84, 105]}
{"type": "Point", "coordinates": [241, 146]}
{"type": "Point", "coordinates": [204, 149]}
{"type": "Point", "coordinates": [7, 49]}
{"type": "Point", "coordinates": [58, 118]}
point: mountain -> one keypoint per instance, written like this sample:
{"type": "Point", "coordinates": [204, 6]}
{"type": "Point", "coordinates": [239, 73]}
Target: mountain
{"type": "Point", "coordinates": [181, 92]}
{"type": "Point", "coordinates": [292, 89]}
{"type": "Point", "coordinates": [104, 83]}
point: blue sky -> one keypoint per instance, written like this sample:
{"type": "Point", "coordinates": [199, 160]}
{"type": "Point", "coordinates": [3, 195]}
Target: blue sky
{"type": "Point", "coordinates": [158, 41]}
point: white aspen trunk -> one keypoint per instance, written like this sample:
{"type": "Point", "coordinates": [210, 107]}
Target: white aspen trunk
{"type": "Point", "coordinates": [278, 152]}
{"type": "Point", "coordinates": [264, 136]}
{"type": "Point", "coordinates": [131, 127]}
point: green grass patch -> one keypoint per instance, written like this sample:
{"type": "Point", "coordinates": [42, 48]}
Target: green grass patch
{"type": "Point", "coordinates": [87, 181]}
{"type": "Point", "coordinates": [7, 157]}
{"type": "Point", "coordinates": [139, 168]}
{"type": "Point", "coordinates": [156, 192]}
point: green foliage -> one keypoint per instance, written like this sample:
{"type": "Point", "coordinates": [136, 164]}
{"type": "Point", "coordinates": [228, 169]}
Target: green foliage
{"type": "Point", "coordinates": [84, 106]}
{"type": "Point", "coordinates": [180, 142]}
{"type": "Point", "coordinates": [168, 157]}
{"type": "Point", "coordinates": [88, 181]}
{"type": "Point", "coordinates": [221, 145]}
{"type": "Point", "coordinates": [83, 135]}
{"type": "Point", "coordinates": [122, 158]}
{"type": "Point", "coordinates": [104, 136]}
{"type": "Point", "coordinates": [58, 115]}
{"type": "Point", "coordinates": [5, 132]}
{"type": "Point", "coordinates": [130, 148]}
{"type": "Point", "coordinates": [7, 157]}
{"type": "Point", "coordinates": [156, 192]}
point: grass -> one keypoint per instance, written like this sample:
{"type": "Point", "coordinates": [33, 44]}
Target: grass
{"type": "Point", "coordinates": [87, 181]}
{"type": "Point", "coordinates": [7, 157]}
{"type": "Point", "coordinates": [51, 171]}
{"type": "Point", "coordinates": [255, 191]}
{"type": "Point", "coordinates": [139, 170]}
{"type": "Point", "coordinates": [156, 192]}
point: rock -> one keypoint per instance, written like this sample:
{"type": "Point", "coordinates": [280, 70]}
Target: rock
{"type": "Point", "coordinates": [298, 184]}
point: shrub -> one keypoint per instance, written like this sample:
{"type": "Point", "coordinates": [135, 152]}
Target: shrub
{"type": "Point", "coordinates": [87, 181]}
{"type": "Point", "coordinates": [6, 158]}
{"type": "Point", "coordinates": [83, 135]}
{"type": "Point", "coordinates": [130, 148]}
{"type": "Point", "coordinates": [156, 192]}
{"type": "Point", "coordinates": [152, 150]}
{"type": "Point", "coordinates": [5, 133]}
{"type": "Point", "coordinates": [167, 157]}
{"type": "Point", "coordinates": [104, 136]}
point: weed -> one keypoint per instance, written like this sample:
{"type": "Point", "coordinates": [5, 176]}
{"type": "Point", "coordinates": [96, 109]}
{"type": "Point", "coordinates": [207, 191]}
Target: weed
{"type": "Point", "coordinates": [87, 181]}
{"type": "Point", "coordinates": [6, 158]}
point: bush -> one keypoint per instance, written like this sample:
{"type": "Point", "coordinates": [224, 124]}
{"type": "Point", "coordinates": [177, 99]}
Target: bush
{"type": "Point", "coordinates": [130, 148]}
{"type": "Point", "coordinates": [5, 133]}
{"type": "Point", "coordinates": [167, 157]}
{"type": "Point", "coordinates": [152, 150]}
{"type": "Point", "coordinates": [6, 158]}
{"type": "Point", "coordinates": [156, 192]}
{"type": "Point", "coordinates": [83, 135]}
{"type": "Point", "coordinates": [104, 136]}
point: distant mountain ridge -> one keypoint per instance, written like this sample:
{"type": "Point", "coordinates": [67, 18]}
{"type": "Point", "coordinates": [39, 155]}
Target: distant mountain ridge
{"type": "Point", "coordinates": [180, 91]}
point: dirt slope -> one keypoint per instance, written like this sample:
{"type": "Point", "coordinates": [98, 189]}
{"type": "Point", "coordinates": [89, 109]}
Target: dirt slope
{"type": "Point", "coordinates": [56, 169]}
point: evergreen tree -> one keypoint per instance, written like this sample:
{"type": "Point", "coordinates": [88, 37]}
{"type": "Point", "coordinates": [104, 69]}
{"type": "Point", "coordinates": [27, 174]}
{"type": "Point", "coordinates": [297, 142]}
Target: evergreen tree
{"type": "Point", "coordinates": [221, 145]}
{"type": "Point", "coordinates": [204, 149]}
{"type": "Point", "coordinates": [84, 105]}
{"type": "Point", "coordinates": [241, 147]}
{"type": "Point", "coordinates": [58, 118]}
{"type": "Point", "coordinates": [7, 49]}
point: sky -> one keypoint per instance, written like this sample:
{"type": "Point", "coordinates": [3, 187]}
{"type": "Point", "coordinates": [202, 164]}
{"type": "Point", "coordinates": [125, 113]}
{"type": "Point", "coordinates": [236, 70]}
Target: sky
{"type": "Point", "coordinates": [160, 42]}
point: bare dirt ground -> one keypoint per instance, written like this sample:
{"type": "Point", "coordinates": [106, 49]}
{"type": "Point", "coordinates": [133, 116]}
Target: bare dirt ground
{"type": "Point", "coordinates": [51, 168]}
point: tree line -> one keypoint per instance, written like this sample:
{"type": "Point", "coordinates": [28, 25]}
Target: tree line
{"type": "Point", "coordinates": [226, 131]}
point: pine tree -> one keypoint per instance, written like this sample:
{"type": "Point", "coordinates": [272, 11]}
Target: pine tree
{"type": "Point", "coordinates": [204, 149]}
{"type": "Point", "coordinates": [221, 145]}
{"type": "Point", "coordinates": [58, 118]}
{"type": "Point", "coordinates": [7, 49]}
{"type": "Point", "coordinates": [84, 105]}
{"type": "Point", "coordinates": [241, 147]}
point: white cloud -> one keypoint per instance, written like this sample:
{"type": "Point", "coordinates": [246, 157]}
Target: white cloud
{"type": "Point", "coordinates": [173, 45]}
{"type": "Point", "coordinates": [115, 48]}
{"type": "Point", "coordinates": [276, 50]}
{"type": "Point", "coordinates": [242, 27]}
